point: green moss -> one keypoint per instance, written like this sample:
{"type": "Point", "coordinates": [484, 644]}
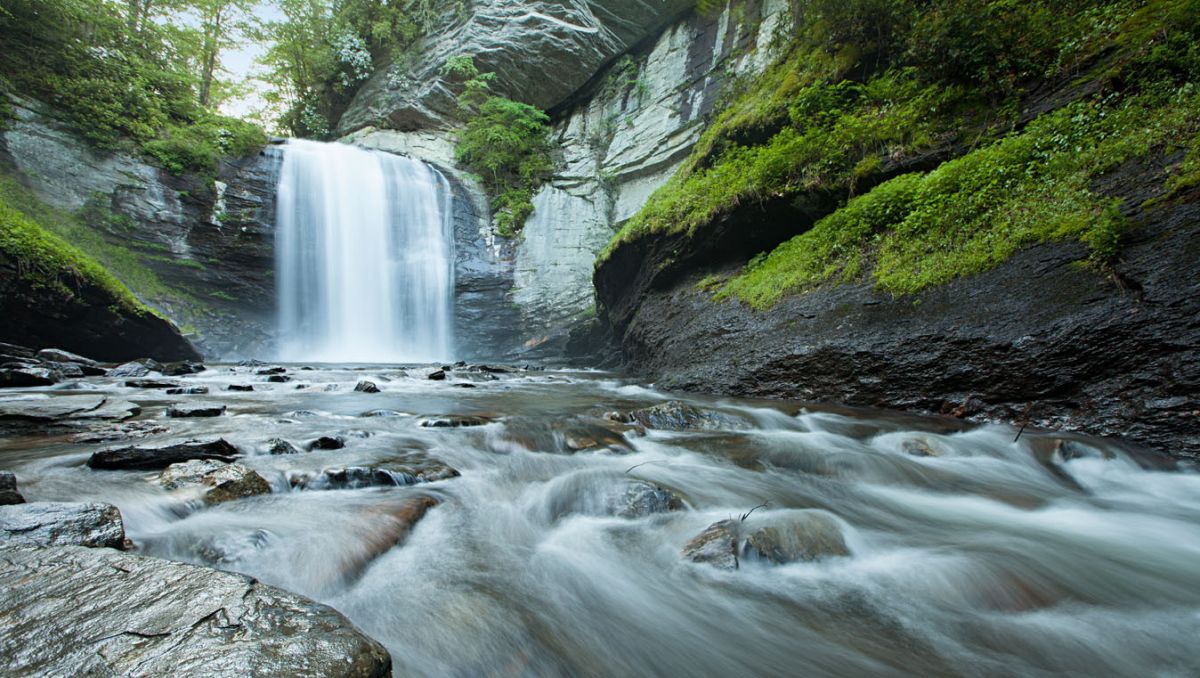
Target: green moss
{"type": "Point", "coordinates": [49, 263]}
{"type": "Point", "coordinates": [974, 212]}
{"type": "Point", "coordinates": [222, 294]}
{"type": "Point", "coordinates": [199, 146]}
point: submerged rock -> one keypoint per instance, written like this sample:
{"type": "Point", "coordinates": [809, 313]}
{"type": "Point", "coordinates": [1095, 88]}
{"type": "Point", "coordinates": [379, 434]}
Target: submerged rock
{"type": "Point", "coordinates": [366, 387]}
{"type": "Point", "coordinates": [382, 413]}
{"type": "Point", "coordinates": [154, 458]}
{"type": "Point", "coordinates": [565, 436]}
{"type": "Point", "coordinates": [453, 421]}
{"type": "Point", "coordinates": [227, 482]}
{"type": "Point", "coordinates": [195, 410]}
{"type": "Point", "coordinates": [151, 384]}
{"type": "Point", "coordinates": [716, 545]}
{"type": "Point", "coordinates": [8, 490]}
{"type": "Point", "coordinates": [103, 612]}
{"type": "Point", "coordinates": [407, 469]}
{"type": "Point", "coordinates": [272, 370]}
{"type": "Point", "coordinates": [188, 390]}
{"type": "Point", "coordinates": [678, 416]}
{"type": "Point", "coordinates": [278, 379]}
{"type": "Point", "coordinates": [640, 499]}
{"type": "Point", "coordinates": [281, 446]}
{"type": "Point", "coordinates": [327, 443]}
{"type": "Point", "coordinates": [807, 536]}
{"type": "Point", "coordinates": [60, 524]}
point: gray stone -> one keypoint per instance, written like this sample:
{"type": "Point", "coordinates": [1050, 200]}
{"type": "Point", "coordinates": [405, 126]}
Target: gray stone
{"type": "Point", "coordinates": [65, 408]}
{"type": "Point", "coordinates": [716, 546]}
{"type": "Point", "coordinates": [196, 410]}
{"type": "Point", "coordinates": [224, 481]}
{"type": "Point", "coordinates": [366, 387]}
{"type": "Point", "coordinates": [674, 415]}
{"type": "Point", "coordinates": [59, 356]}
{"type": "Point", "coordinates": [807, 536]}
{"type": "Point", "coordinates": [60, 524]}
{"type": "Point", "coordinates": [8, 490]}
{"type": "Point", "coordinates": [188, 390]}
{"type": "Point", "coordinates": [639, 499]}
{"type": "Point", "coordinates": [151, 384]}
{"type": "Point", "coordinates": [153, 458]}
{"type": "Point", "coordinates": [453, 421]}
{"type": "Point", "coordinates": [102, 612]}
{"type": "Point", "coordinates": [281, 446]}
{"type": "Point", "coordinates": [410, 469]}
{"type": "Point", "coordinates": [135, 368]}
{"type": "Point", "coordinates": [24, 377]}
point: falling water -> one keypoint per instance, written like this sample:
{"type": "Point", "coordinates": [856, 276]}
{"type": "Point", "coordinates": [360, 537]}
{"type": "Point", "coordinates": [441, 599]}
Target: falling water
{"type": "Point", "coordinates": [364, 256]}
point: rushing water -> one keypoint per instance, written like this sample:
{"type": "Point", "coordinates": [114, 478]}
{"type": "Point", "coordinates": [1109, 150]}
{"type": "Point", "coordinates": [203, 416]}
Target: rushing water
{"type": "Point", "coordinates": [364, 256]}
{"type": "Point", "coordinates": [978, 561]}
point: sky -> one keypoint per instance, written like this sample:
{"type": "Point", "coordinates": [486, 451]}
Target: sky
{"type": "Point", "coordinates": [240, 63]}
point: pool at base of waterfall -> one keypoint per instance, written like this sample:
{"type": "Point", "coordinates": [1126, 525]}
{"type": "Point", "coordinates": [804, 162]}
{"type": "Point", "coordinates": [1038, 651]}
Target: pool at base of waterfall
{"type": "Point", "coordinates": [516, 521]}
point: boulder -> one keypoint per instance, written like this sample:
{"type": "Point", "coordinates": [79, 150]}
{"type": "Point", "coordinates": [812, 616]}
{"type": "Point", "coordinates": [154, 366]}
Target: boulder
{"type": "Point", "coordinates": [64, 370]}
{"type": "Point", "coordinates": [154, 458]}
{"type": "Point", "coordinates": [188, 390]}
{"type": "Point", "coordinates": [804, 536]}
{"type": "Point", "coordinates": [241, 388]}
{"type": "Point", "coordinates": [195, 410]}
{"type": "Point", "coordinates": [437, 375]}
{"type": "Point", "coordinates": [61, 524]}
{"type": "Point", "coordinates": [281, 446]}
{"type": "Point", "coordinates": [8, 490]}
{"type": "Point", "coordinates": [409, 469]}
{"type": "Point", "coordinates": [678, 416]}
{"type": "Point", "coordinates": [55, 355]}
{"type": "Point", "coordinates": [23, 377]}
{"type": "Point", "coordinates": [182, 368]}
{"type": "Point", "coordinates": [271, 370]}
{"type": "Point", "coordinates": [102, 612]}
{"type": "Point", "coordinates": [716, 545]}
{"type": "Point", "coordinates": [327, 443]}
{"type": "Point", "coordinates": [366, 387]}
{"type": "Point", "coordinates": [225, 482]}
{"type": "Point", "coordinates": [152, 384]}
{"type": "Point", "coordinates": [639, 499]}
{"type": "Point", "coordinates": [135, 368]}
{"type": "Point", "coordinates": [278, 379]}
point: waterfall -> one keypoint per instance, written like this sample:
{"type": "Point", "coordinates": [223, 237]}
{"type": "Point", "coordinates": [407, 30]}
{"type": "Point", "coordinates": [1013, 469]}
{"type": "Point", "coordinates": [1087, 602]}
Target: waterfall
{"type": "Point", "coordinates": [364, 256]}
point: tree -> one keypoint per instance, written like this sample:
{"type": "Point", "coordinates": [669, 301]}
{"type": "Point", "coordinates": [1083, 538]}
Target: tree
{"type": "Point", "coordinates": [221, 23]}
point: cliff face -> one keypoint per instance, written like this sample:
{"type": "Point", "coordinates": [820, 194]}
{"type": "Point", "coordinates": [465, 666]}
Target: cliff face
{"type": "Point", "coordinates": [209, 245]}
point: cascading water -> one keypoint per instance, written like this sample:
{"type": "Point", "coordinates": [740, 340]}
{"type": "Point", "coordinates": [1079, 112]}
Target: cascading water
{"type": "Point", "coordinates": [364, 256]}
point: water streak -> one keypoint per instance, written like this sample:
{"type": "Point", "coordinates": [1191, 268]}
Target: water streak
{"type": "Point", "coordinates": [364, 256]}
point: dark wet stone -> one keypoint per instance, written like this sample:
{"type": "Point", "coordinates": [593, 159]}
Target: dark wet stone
{"type": "Point", "coordinates": [567, 435]}
{"type": "Point", "coordinates": [453, 421]}
{"type": "Point", "coordinates": [61, 524]}
{"type": "Point", "coordinates": [281, 446]}
{"type": "Point", "coordinates": [241, 388]}
{"type": "Point", "coordinates": [366, 387]}
{"type": "Point", "coordinates": [182, 368]}
{"type": "Point", "coordinates": [154, 458]}
{"type": "Point", "coordinates": [135, 368]}
{"type": "Point", "coordinates": [279, 379]}
{"type": "Point", "coordinates": [65, 370]}
{"type": "Point", "coordinates": [805, 537]}
{"type": "Point", "coordinates": [24, 377]}
{"type": "Point", "coordinates": [716, 545]}
{"type": "Point", "coordinates": [225, 482]}
{"type": "Point", "coordinates": [382, 413]}
{"type": "Point", "coordinates": [104, 612]}
{"type": "Point", "coordinates": [464, 385]}
{"type": "Point", "coordinates": [413, 469]}
{"type": "Point", "coordinates": [496, 369]}
{"type": "Point", "coordinates": [195, 410]}
{"type": "Point", "coordinates": [55, 355]}
{"type": "Point", "coordinates": [327, 443]}
{"type": "Point", "coordinates": [188, 390]}
{"type": "Point", "coordinates": [8, 490]}
{"type": "Point", "coordinates": [640, 499]}
{"type": "Point", "coordinates": [678, 416]}
{"type": "Point", "coordinates": [152, 384]}
{"type": "Point", "coordinates": [439, 375]}
{"type": "Point", "coordinates": [272, 370]}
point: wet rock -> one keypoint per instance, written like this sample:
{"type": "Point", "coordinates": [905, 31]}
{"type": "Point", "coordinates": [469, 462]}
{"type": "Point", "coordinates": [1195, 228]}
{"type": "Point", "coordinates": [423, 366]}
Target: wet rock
{"type": "Point", "coordinates": [281, 446]}
{"type": "Point", "coordinates": [327, 443]}
{"type": "Point", "coordinates": [716, 546]}
{"type": "Point", "coordinates": [135, 368]}
{"type": "Point", "coordinates": [272, 370]}
{"type": "Point", "coordinates": [23, 377]}
{"type": "Point", "coordinates": [8, 490]}
{"type": "Point", "coordinates": [182, 368]}
{"type": "Point", "coordinates": [180, 410]}
{"type": "Point", "coordinates": [64, 370]}
{"type": "Point", "coordinates": [678, 416]}
{"type": "Point", "coordinates": [495, 369]}
{"type": "Point", "coordinates": [565, 436]}
{"type": "Point", "coordinates": [55, 355]}
{"type": "Point", "coordinates": [918, 447]}
{"type": "Point", "coordinates": [464, 384]}
{"type": "Point", "coordinates": [8, 350]}
{"type": "Point", "coordinates": [366, 387]}
{"type": "Point", "coordinates": [640, 499]}
{"type": "Point", "coordinates": [226, 482]}
{"type": "Point", "coordinates": [279, 379]}
{"type": "Point", "coordinates": [154, 458]}
{"type": "Point", "coordinates": [453, 421]}
{"type": "Point", "coordinates": [331, 387]}
{"type": "Point", "coordinates": [122, 432]}
{"type": "Point", "coordinates": [439, 375]}
{"type": "Point", "coordinates": [420, 469]}
{"type": "Point", "coordinates": [188, 390]}
{"type": "Point", "coordinates": [382, 413]}
{"type": "Point", "coordinates": [808, 536]}
{"type": "Point", "coordinates": [251, 363]}
{"type": "Point", "coordinates": [59, 409]}
{"type": "Point", "coordinates": [152, 384]}
{"type": "Point", "coordinates": [103, 612]}
{"type": "Point", "coordinates": [61, 524]}
{"type": "Point", "coordinates": [240, 388]}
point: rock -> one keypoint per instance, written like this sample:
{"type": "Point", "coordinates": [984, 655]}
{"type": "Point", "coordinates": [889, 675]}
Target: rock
{"type": "Point", "coordinates": [151, 384]}
{"type": "Point", "coordinates": [279, 379]}
{"type": "Point", "coordinates": [807, 536]}
{"type": "Point", "coordinates": [65, 408]}
{"type": "Point", "coordinates": [8, 490]}
{"type": "Point", "coordinates": [27, 376]}
{"type": "Point", "coordinates": [382, 413]}
{"type": "Point", "coordinates": [464, 385]}
{"type": "Point", "coordinates": [103, 612]}
{"type": "Point", "coordinates": [716, 546]}
{"type": "Point", "coordinates": [453, 421]}
{"type": "Point", "coordinates": [188, 390]}
{"type": "Point", "coordinates": [495, 369]}
{"type": "Point", "coordinates": [327, 443]}
{"type": "Point", "coordinates": [640, 499]}
{"type": "Point", "coordinates": [154, 458]}
{"type": "Point", "coordinates": [281, 446]}
{"type": "Point", "coordinates": [918, 447]}
{"type": "Point", "coordinates": [366, 387]}
{"type": "Point", "coordinates": [241, 388]}
{"type": "Point", "coordinates": [66, 370]}
{"type": "Point", "coordinates": [566, 435]}
{"type": "Point", "coordinates": [182, 368]}
{"type": "Point", "coordinates": [678, 416]}
{"type": "Point", "coordinates": [178, 410]}
{"type": "Point", "coordinates": [272, 370]}
{"type": "Point", "coordinates": [135, 368]}
{"type": "Point", "coordinates": [226, 482]}
{"type": "Point", "coordinates": [438, 375]}
{"type": "Point", "coordinates": [12, 350]}
{"type": "Point", "coordinates": [252, 362]}
{"type": "Point", "coordinates": [61, 524]}
{"type": "Point", "coordinates": [392, 475]}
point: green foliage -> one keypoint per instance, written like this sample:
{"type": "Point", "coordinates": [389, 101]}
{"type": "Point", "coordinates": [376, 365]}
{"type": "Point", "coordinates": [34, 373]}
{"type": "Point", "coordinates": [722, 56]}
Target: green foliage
{"type": "Point", "coordinates": [505, 142]}
{"type": "Point", "coordinates": [49, 263]}
{"type": "Point", "coordinates": [200, 146]}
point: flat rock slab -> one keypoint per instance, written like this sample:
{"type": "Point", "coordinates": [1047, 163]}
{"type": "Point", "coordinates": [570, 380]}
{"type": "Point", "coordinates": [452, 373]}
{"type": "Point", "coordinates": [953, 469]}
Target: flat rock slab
{"type": "Point", "coordinates": [66, 407]}
{"type": "Point", "coordinates": [154, 458]}
{"type": "Point", "coordinates": [103, 612]}
{"type": "Point", "coordinates": [196, 410]}
{"type": "Point", "coordinates": [62, 524]}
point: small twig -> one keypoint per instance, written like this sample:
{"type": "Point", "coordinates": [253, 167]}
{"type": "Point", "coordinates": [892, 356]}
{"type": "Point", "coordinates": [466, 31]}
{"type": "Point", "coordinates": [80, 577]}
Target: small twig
{"type": "Point", "coordinates": [652, 461]}
{"type": "Point", "coordinates": [747, 513]}
{"type": "Point", "coordinates": [1024, 420]}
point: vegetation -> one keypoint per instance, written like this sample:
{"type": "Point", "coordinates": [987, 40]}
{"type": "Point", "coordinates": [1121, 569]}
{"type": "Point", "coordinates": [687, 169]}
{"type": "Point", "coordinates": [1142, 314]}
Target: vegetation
{"type": "Point", "coordinates": [870, 88]}
{"type": "Point", "coordinates": [506, 142]}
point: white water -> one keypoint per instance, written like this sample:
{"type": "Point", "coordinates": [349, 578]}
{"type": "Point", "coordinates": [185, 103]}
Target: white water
{"type": "Point", "coordinates": [364, 257]}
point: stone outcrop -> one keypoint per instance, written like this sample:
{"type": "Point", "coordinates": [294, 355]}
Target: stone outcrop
{"type": "Point", "coordinates": [153, 458]}
{"type": "Point", "coordinates": [103, 612]}
{"type": "Point", "coordinates": [62, 524]}
{"type": "Point", "coordinates": [220, 481]}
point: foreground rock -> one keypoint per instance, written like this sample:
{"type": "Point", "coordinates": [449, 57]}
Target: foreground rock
{"type": "Point", "coordinates": [225, 482]}
{"type": "Point", "coordinates": [798, 536]}
{"type": "Point", "coordinates": [154, 458]}
{"type": "Point", "coordinates": [24, 377]}
{"type": "Point", "coordinates": [103, 612]}
{"type": "Point", "coordinates": [61, 524]}
{"type": "Point", "coordinates": [407, 469]}
{"type": "Point", "coordinates": [677, 416]}
{"type": "Point", "coordinates": [8, 490]}
{"type": "Point", "coordinates": [196, 410]}
{"type": "Point", "coordinates": [65, 408]}
{"type": "Point", "coordinates": [716, 545]}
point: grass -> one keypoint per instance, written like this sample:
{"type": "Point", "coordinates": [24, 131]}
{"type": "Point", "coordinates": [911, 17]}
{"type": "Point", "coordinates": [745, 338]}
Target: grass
{"type": "Point", "coordinates": [973, 212]}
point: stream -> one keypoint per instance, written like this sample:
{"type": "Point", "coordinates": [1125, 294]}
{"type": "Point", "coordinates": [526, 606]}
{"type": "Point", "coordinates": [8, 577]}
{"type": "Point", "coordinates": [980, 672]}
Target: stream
{"type": "Point", "coordinates": [557, 549]}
